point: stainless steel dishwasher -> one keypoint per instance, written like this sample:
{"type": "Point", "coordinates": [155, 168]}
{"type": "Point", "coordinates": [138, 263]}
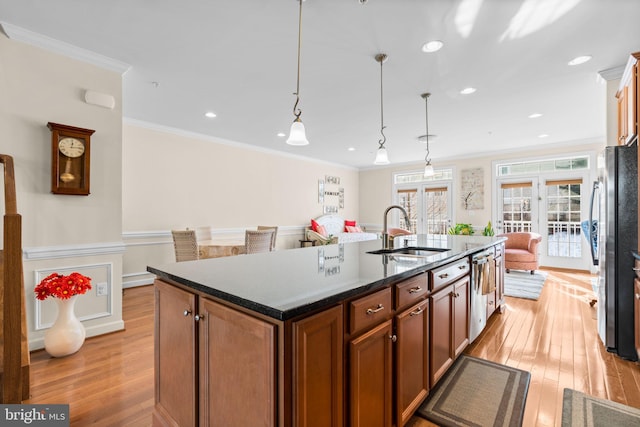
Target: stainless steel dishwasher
{"type": "Point", "coordinates": [478, 315]}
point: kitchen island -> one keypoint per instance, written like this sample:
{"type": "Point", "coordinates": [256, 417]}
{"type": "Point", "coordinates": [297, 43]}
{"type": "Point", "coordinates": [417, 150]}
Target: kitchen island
{"type": "Point", "coordinates": [331, 335]}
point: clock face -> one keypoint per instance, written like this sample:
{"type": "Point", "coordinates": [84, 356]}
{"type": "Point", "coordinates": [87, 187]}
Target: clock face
{"type": "Point", "coordinates": [71, 147]}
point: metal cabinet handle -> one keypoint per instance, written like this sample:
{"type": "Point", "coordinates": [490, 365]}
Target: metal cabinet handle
{"type": "Point", "coordinates": [415, 290]}
{"type": "Point", "coordinates": [186, 312]}
{"type": "Point", "coordinates": [417, 312]}
{"type": "Point", "coordinates": [636, 268]}
{"type": "Point", "coordinates": [637, 296]}
{"type": "Point", "coordinates": [393, 338]}
{"type": "Point", "coordinates": [198, 317]}
{"type": "Point", "coordinates": [454, 294]}
{"type": "Point", "coordinates": [375, 310]}
{"type": "Point", "coordinates": [443, 276]}
{"type": "Point", "coordinates": [462, 267]}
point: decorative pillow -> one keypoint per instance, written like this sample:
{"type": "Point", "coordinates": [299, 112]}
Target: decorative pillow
{"type": "Point", "coordinates": [314, 225]}
{"type": "Point", "coordinates": [321, 230]}
{"type": "Point", "coordinates": [348, 223]}
{"type": "Point", "coordinates": [352, 229]}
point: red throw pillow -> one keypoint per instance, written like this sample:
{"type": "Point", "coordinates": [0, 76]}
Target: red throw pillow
{"type": "Point", "coordinates": [348, 223]}
{"type": "Point", "coordinates": [314, 225]}
{"type": "Point", "coordinates": [352, 229]}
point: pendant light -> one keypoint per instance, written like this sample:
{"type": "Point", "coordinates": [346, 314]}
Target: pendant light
{"type": "Point", "coordinates": [428, 169]}
{"type": "Point", "coordinates": [381, 156]}
{"type": "Point", "coordinates": [297, 135]}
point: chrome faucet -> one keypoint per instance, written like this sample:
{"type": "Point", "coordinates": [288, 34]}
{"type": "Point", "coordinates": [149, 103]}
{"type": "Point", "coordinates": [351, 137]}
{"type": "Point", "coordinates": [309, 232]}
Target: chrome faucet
{"type": "Point", "coordinates": [386, 244]}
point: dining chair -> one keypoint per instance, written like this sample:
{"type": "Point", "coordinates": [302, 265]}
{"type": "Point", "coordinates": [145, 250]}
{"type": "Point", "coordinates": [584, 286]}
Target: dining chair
{"type": "Point", "coordinates": [256, 241]}
{"type": "Point", "coordinates": [185, 245]}
{"type": "Point", "coordinates": [204, 233]}
{"type": "Point", "coordinates": [273, 238]}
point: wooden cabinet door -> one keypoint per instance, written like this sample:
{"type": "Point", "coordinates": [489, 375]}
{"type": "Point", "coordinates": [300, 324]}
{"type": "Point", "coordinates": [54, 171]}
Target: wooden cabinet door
{"type": "Point", "coordinates": [370, 378]}
{"type": "Point", "coordinates": [636, 306]}
{"type": "Point", "coordinates": [622, 115]}
{"type": "Point", "coordinates": [461, 307]}
{"type": "Point", "coordinates": [237, 368]}
{"type": "Point", "coordinates": [412, 360]}
{"type": "Point", "coordinates": [175, 357]}
{"type": "Point", "coordinates": [441, 327]}
{"type": "Point", "coordinates": [317, 371]}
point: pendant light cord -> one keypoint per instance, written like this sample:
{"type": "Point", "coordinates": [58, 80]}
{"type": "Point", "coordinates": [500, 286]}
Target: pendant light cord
{"type": "Point", "coordinates": [296, 111]}
{"type": "Point", "coordinates": [384, 138]}
{"type": "Point", "coordinates": [426, 109]}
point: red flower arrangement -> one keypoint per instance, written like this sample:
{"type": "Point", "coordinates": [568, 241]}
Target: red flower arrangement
{"type": "Point", "coordinates": [63, 287]}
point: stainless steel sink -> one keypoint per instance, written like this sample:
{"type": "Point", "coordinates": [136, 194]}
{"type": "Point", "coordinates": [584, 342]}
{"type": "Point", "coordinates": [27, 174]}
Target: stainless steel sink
{"type": "Point", "coordinates": [410, 251]}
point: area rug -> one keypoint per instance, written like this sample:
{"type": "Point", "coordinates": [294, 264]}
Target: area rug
{"type": "Point", "coordinates": [476, 392]}
{"type": "Point", "coordinates": [579, 409]}
{"type": "Point", "coordinates": [523, 284]}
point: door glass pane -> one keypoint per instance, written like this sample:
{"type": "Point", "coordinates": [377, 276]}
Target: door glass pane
{"type": "Point", "coordinates": [563, 221]}
{"type": "Point", "coordinates": [516, 209]}
{"type": "Point", "coordinates": [437, 215]}
{"type": "Point", "coordinates": [408, 199]}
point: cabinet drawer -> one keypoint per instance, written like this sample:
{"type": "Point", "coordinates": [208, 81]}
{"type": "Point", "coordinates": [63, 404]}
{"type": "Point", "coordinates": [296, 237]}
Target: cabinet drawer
{"type": "Point", "coordinates": [411, 290]}
{"type": "Point", "coordinates": [367, 311]}
{"type": "Point", "coordinates": [448, 273]}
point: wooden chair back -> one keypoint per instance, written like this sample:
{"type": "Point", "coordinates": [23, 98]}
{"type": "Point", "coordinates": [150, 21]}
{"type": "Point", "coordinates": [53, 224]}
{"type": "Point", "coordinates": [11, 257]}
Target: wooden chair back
{"type": "Point", "coordinates": [185, 245]}
{"type": "Point", "coordinates": [273, 238]}
{"type": "Point", "coordinates": [256, 241]}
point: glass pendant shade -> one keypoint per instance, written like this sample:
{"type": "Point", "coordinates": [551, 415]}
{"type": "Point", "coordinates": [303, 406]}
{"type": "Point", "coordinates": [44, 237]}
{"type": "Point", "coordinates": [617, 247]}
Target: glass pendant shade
{"type": "Point", "coordinates": [428, 170]}
{"type": "Point", "coordinates": [381, 157]}
{"type": "Point", "coordinates": [297, 135]}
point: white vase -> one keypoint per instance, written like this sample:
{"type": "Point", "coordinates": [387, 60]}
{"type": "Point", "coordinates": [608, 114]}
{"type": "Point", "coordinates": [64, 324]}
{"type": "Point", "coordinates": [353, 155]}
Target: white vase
{"type": "Point", "coordinates": [67, 334]}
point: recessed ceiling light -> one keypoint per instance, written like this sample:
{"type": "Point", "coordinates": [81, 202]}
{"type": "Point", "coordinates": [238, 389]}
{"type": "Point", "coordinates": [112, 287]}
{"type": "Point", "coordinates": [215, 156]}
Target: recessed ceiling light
{"type": "Point", "coordinates": [432, 46]}
{"type": "Point", "coordinates": [423, 138]}
{"type": "Point", "coordinates": [351, 149]}
{"type": "Point", "coordinates": [468, 90]}
{"type": "Point", "coordinates": [280, 134]}
{"type": "Point", "coordinates": [544, 135]}
{"type": "Point", "coordinates": [210, 114]}
{"type": "Point", "coordinates": [580, 60]}
{"type": "Point", "coordinates": [535, 115]}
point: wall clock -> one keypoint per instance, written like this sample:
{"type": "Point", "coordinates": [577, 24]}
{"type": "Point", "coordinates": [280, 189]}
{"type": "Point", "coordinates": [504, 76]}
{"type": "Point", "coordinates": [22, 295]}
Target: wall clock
{"type": "Point", "coordinates": [70, 159]}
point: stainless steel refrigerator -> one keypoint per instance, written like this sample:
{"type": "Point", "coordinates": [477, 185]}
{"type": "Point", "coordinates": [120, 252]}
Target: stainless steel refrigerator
{"type": "Point", "coordinates": [614, 214]}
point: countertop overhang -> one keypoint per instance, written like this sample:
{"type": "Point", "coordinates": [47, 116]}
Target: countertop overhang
{"type": "Point", "coordinates": [290, 283]}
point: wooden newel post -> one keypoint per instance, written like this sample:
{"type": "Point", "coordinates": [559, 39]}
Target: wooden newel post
{"type": "Point", "coordinates": [15, 348]}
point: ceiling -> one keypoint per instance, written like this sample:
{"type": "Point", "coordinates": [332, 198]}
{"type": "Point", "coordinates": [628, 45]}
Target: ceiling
{"type": "Point", "coordinates": [238, 59]}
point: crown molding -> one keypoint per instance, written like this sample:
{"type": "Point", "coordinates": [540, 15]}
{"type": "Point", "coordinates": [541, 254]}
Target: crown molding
{"type": "Point", "coordinates": [35, 39]}
{"type": "Point", "coordinates": [612, 73]}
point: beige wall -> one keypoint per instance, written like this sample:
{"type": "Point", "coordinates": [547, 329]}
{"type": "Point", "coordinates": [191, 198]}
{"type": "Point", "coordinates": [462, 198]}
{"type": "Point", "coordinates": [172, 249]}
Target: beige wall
{"type": "Point", "coordinates": [59, 232]}
{"type": "Point", "coordinates": [174, 180]}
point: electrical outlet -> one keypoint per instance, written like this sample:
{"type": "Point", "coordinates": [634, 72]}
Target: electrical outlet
{"type": "Point", "coordinates": [102, 290]}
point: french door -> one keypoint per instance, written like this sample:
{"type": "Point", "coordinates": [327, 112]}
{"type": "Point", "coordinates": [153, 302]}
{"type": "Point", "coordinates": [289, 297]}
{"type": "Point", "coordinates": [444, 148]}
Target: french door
{"type": "Point", "coordinates": [429, 207]}
{"type": "Point", "coordinates": [551, 206]}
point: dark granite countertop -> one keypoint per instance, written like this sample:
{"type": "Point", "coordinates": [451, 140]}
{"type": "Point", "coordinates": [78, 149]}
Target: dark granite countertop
{"type": "Point", "coordinates": [288, 283]}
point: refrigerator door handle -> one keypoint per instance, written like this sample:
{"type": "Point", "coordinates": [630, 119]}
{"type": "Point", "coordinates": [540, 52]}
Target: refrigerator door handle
{"type": "Point", "coordinates": [593, 230]}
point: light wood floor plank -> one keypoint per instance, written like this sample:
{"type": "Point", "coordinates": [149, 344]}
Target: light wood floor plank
{"type": "Point", "coordinates": [109, 382]}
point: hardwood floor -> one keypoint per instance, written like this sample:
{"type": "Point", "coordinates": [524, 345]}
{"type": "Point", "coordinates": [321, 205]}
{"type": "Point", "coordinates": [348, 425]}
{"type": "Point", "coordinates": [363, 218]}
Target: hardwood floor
{"type": "Point", "coordinates": [109, 382]}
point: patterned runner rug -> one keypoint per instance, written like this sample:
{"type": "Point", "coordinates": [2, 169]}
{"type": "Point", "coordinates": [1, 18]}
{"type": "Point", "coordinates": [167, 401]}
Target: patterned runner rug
{"type": "Point", "coordinates": [523, 284]}
{"type": "Point", "coordinates": [579, 409]}
{"type": "Point", "coordinates": [476, 392]}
